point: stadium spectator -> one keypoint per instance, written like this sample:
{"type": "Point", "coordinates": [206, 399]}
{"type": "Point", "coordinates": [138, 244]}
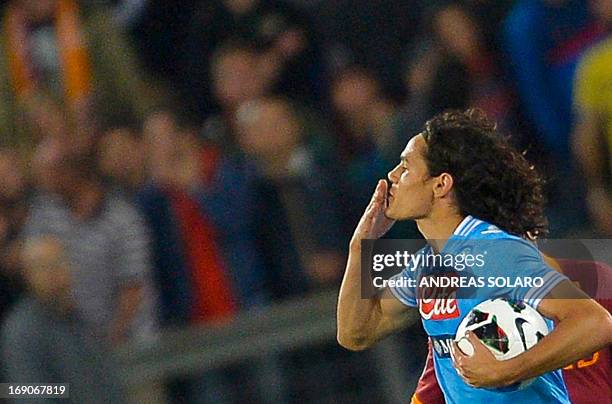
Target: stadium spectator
{"type": "Point", "coordinates": [199, 206]}
{"type": "Point", "coordinates": [282, 33]}
{"type": "Point", "coordinates": [365, 134]}
{"type": "Point", "coordinates": [170, 273]}
{"type": "Point", "coordinates": [544, 40]}
{"type": "Point", "coordinates": [104, 238]}
{"type": "Point", "coordinates": [461, 39]}
{"type": "Point", "coordinates": [489, 16]}
{"type": "Point", "coordinates": [61, 60]}
{"type": "Point", "coordinates": [236, 78]}
{"type": "Point", "coordinates": [365, 114]}
{"type": "Point", "coordinates": [593, 130]}
{"type": "Point", "coordinates": [419, 73]}
{"type": "Point", "coordinates": [44, 337]}
{"type": "Point", "coordinates": [295, 197]}
{"type": "Point", "coordinates": [121, 158]}
{"type": "Point", "coordinates": [428, 69]}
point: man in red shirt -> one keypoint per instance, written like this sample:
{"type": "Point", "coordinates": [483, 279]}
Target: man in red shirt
{"type": "Point", "coordinates": [590, 379]}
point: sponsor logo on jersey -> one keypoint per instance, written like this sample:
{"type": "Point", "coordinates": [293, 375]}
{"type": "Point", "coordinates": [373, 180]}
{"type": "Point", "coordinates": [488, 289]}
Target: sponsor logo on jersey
{"type": "Point", "coordinates": [441, 345]}
{"type": "Point", "coordinates": [438, 309]}
{"type": "Point", "coordinates": [438, 303]}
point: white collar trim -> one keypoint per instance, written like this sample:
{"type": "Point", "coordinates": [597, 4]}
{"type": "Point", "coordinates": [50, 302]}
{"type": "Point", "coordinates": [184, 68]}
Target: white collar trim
{"type": "Point", "coordinates": [466, 226]}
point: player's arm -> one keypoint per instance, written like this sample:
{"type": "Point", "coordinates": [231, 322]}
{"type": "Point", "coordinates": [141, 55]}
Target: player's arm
{"type": "Point", "coordinates": [361, 321]}
{"type": "Point", "coordinates": [582, 327]}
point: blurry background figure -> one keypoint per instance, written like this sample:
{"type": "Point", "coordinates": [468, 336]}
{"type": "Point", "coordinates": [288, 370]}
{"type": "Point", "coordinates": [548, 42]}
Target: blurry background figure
{"type": "Point", "coordinates": [420, 65]}
{"type": "Point", "coordinates": [236, 74]}
{"type": "Point", "coordinates": [122, 159]}
{"type": "Point", "coordinates": [366, 138]}
{"type": "Point", "coordinates": [14, 193]}
{"type": "Point", "coordinates": [63, 64]}
{"type": "Point", "coordinates": [236, 77]}
{"type": "Point", "coordinates": [169, 270]}
{"type": "Point", "coordinates": [489, 16]}
{"type": "Point", "coordinates": [593, 130]}
{"type": "Point", "coordinates": [105, 240]}
{"type": "Point", "coordinates": [461, 40]}
{"type": "Point", "coordinates": [363, 111]}
{"type": "Point", "coordinates": [284, 38]}
{"type": "Point", "coordinates": [44, 338]}
{"type": "Point", "coordinates": [199, 203]}
{"type": "Point", "coordinates": [544, 39]}
{"type": "Point", "coordinates": [295, 197]}
{"type": "Point", "coordinates": [367, 141]}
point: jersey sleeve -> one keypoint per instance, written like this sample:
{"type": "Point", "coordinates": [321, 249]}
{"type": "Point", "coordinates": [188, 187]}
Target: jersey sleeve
{"type": "Point", "coordinates": [521, 268]}
{"type": "Point", "coordinates": [535, 294]}
{"type": "Point", "coordinates": [404, 288]}
{"type": "Point", "coordinates": [404, 294]}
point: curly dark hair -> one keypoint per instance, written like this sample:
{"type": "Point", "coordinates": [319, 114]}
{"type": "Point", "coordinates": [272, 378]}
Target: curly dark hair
{"type": "Point", "coordinates": [492, 180]}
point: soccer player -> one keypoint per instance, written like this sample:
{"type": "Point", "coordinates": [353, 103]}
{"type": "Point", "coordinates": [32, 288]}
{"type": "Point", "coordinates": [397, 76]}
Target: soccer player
{"type": "Point", "coordinates": [589, 380]}
{"type": "Point", "coordinates": [463, 183]}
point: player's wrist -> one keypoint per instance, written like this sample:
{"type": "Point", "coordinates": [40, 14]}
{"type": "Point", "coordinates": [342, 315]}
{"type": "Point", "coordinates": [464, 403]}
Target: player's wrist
{"type": "Point", "coordinates": [510, 371]}
{"type": "Point", "coordinates": [355, 245]}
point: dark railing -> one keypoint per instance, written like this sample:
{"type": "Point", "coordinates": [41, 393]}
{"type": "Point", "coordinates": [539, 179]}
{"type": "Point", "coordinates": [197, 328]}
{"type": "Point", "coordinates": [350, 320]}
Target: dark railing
{"type": "Point", "coordinates": [260, 334]}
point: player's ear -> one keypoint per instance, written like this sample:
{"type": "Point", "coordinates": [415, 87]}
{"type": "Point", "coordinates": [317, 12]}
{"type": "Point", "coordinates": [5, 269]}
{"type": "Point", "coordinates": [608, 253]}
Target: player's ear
{"type": "Point", "coordinates": [443, 185]}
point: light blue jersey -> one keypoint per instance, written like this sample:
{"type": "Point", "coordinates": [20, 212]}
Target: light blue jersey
{"type": "Point", "coordinates": [516, 270]}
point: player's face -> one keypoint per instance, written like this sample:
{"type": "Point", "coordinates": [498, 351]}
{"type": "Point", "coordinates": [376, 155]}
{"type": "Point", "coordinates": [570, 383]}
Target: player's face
{"type": "Point", "coordinates": [410, 194]}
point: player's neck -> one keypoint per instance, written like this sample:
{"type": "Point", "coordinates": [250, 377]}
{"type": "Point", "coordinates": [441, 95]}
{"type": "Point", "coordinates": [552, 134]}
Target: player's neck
{"type": "Point", "coordinates": [438, 228]}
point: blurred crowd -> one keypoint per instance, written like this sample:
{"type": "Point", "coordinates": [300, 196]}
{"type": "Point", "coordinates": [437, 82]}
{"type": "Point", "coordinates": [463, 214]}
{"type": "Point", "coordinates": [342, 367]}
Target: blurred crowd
{"type": "Point", "coordinates": [172, 163]}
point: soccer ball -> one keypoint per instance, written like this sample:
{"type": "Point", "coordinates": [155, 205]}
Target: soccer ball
{"type": "Point", "coordinates": [508, 328]}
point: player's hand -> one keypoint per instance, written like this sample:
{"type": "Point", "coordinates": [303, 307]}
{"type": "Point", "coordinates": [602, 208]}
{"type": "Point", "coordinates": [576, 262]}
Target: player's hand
{"type": "Point", "coordinates": [374, 224]}
{"type": "Point", "coordinates": [481, 369]}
